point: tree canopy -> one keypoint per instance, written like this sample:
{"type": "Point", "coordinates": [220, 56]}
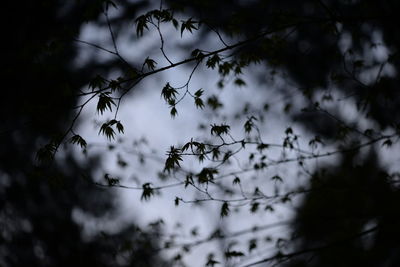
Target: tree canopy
{"type": "Point", "coordinates": [293, 157]}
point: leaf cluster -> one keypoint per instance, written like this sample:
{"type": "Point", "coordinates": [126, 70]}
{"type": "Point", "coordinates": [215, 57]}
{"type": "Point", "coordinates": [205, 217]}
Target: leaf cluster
{"type": "Point", "coordinates": [163, 15]}
{"type": "Point", "coordinates": [108, 130]}
{"type": "Point", "coordinates": [105, 102]}
{"type": "Point", "coordinates": [219, 129]}
{"type": "Point", "coordinates": [174, 157]}
{"type": "Point", "coordinates": [189, 25]}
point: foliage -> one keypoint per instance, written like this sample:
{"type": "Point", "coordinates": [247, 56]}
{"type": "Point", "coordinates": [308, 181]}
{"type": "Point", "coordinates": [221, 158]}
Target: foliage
{"type": "Point", "coordinates": [327, 59]}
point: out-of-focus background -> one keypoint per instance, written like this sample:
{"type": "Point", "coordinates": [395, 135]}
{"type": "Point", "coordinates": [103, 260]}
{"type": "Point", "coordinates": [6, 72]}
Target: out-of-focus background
{"type": "Point", "coordinates": [306, 175]}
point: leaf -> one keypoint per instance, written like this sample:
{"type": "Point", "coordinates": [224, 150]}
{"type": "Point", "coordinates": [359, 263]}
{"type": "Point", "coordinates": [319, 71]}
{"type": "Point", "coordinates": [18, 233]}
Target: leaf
{"type": "Point", "coordinates": [387, 143]}
{"type": "Point", "coordinates": [227, 155]}
{"type": "Point", "coordinates": [225, 68]}
{"type": "Point", "coordinates": [97, 82]}
{"type": "Point", "coordinates": [177, 201]}
{"type": "Point", "coordinates": [120, 127]}
{"type": "Point", "coordinates": [287, 107]}
{"type": "Point", "coordinates": [189, 180]}
{"type": "Point", "coordinates": [173, 159]}
{"type": "Point", "coordinates": [194, 231]}
{"type": "Point", "coordinates": [213, 61]}
{"type": "Point", "coordinates": [112, 122]}
{"type": "Point", "coordinates": [197, 54]}
{"type": "Point", "coordinates": [141, 24]}
{"type": "Point", "coordinates": [269, 208]}
{"type": "Point", "coordinates": [173, 112]}
{"type": "Point", "coordinates": [177, 257]}
{"type": "Point", "coordinates": [219, 129]}
{"type": "Point", "coordinates": [211, 261]}
{"type": "Point", "coordinates": [115, 84]}
{"type": "Point", "coordinates": [286, 198]}
{"type": "Point", "coordinates": [254, 207]}
{"type": "Point", "coordinates": [148, 191]}
{"type": "Point", "coordinates": [262, 146]}
{"type": "Point", "coordinates": [110, 180]}
{"type": "Point", "coordinates": [121, 162]}
{"type": "Point", "coordinates": [233, 253]}
{"type": "Point", "coordinates": [214, 103]}
{"type": "Point", "coordinates": [236, 180]}
{"type": "Point", "coordinates": [201, 157]}
{"type": "Point", "coordinates": [252, 244]}
{"type": "Point", "coordinates": [224, 209]}
{"type": "Point", "coordinates": [175, 23]}
{"type": "Point", "coordinates": [248, 126]}
{"type": "Point", "coordinates": [277, 178]}
{"type": "Point", "coordinates": [104, 103]}
{"type": "Point", "coordinates": [107, 130]}
{"type": "Point", "coordinates": [288, 131]}
{"type": "Point", "coordinates": [188, 25]}
{"type": "Point", "coordinates": [239, 82]}
{"type": "Point", "coordinates": [215, 153]}
{"type": "Point", "coordinates": [199, 92]}
{"type": "Point", "coordinates": [187, 145]}
{"type": "Point", "coordinates": [314, 142]}
{"type": "Point", "coordinates": [162, 15]}
{"type": "Point", "coordinates": [206, 175]}
{"type": "Point", "coordinates": [198, 102]}
{"type": "Point", "coordinates": [77, 139]}
{"type": "Point", "coordinates": [150, 63]}
{"type": "Point", "coordinates": [168, 93]}
{"type": "Point", "coordinates": [238, 70]}
{"type": "Point", "coordinates": [46, 153]}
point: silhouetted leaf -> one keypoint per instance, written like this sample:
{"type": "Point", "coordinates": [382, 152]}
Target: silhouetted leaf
{"type": "Point", "coordinates": [219, 129]}
{"type": "Point", "coordinates": [107, 130]}
{"type": "Point", "coordinates": [150, 63]}
{"type": "Point", "coordinates": [233, 254]}
{"type": "Point", "coordinates": [188, 25]}
{"type": "Point", "coordinates": [104, 103]}
{"type": "Point", "coordinates": [77, 139]}
{"type": "Point", "coordinates": [224, 209]}
{"type": "Point", "coordinates": [97, 83]}
{"type": "Point", "coordinates": [173, 159]}
{"type": "Point", "coordinates": [141, 24]}
{"type": "Point", "coordinates": [147, 191]}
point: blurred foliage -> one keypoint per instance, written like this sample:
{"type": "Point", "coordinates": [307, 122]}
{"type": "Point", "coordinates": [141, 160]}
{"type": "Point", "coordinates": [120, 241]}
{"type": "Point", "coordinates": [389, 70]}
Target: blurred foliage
{"type": "Point", "coordinates": [350, 217]}
{"type": "Point", "coordinates": [38, 201]}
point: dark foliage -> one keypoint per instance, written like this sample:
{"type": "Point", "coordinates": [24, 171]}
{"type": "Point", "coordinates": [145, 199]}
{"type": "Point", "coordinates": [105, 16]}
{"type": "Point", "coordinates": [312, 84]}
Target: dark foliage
{"type": "Point", "coordinates": [37, 201]}
{"type": "Point", "coordinates": [350, 218]}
